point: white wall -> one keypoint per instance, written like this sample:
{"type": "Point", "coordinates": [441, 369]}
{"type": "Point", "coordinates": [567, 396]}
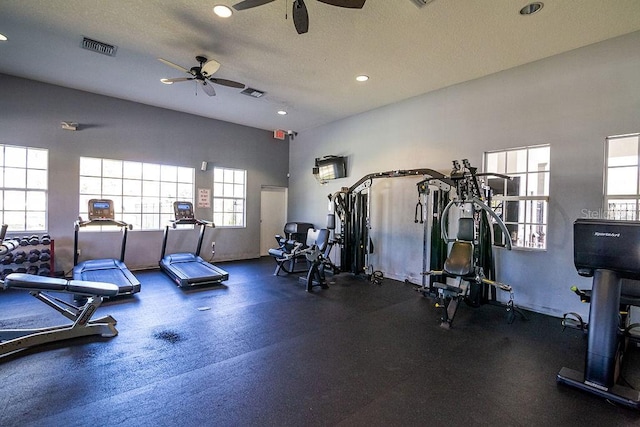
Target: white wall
{"type": "Point", "coordinates": [572, 101]}
{"type": "Point", "coordinates": [31, 113]}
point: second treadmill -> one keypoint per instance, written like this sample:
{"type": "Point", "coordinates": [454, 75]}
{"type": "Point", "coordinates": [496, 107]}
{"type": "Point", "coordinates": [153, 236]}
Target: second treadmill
{"type": "Point", "coordinates": [189, 269]}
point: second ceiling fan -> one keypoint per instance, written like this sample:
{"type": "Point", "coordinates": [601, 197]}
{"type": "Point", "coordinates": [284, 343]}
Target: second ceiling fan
{"type": "Point", "coordinates": [300, 14]}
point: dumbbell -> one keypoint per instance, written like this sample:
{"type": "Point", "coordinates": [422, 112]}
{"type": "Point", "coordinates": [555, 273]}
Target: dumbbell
{"type": "Point", "coordinates": [6, 272]}
{"type": "Point", "coordinates": [8, 246]}
{"type": "Point", "coordinates": [34, 240]}
{"type": "Point", "coordinates": [45, 255]}
{"type": "Point", "coordinates": [45, 240]}
{"type": "Point", "coordinates": [21, 270]}
{"type": "Point", "coordinates": [34, 255]}
{"type": "Point", "coordinates": [7, 259]}
{"type": "Point", "coordinates": [43, 271]}
{"type": "Point", "coordinates": [20, 257]}
{"type": "Point", "coordinates": [24, 241]}
{"type": "Point", "coordinates": [33, 269]}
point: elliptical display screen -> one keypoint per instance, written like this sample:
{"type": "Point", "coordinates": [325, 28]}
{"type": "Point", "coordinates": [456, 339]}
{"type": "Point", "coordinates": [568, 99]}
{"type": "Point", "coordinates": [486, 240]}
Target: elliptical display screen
{"type": "Point", "coordinates": [101, 209]}
{"type": "Point", "coordinates": [183, 210]}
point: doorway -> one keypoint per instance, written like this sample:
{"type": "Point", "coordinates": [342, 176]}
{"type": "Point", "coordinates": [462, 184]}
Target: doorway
{"type": "Point", "coordinates": [273, 215]}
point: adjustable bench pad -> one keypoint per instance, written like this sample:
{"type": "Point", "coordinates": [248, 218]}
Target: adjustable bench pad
{"type": "Point", "coordinates": [41, 283]}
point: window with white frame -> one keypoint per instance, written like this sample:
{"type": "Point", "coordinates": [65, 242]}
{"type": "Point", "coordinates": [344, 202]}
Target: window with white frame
{"type": "Point", "coordinates": [523, 201]}
{"type": "Point", "coordinates": [229, 197]}
{"type": "Point", "coordinates": [621, 187]}
{"type": "Point", "coordinates": [24, 188]}
{"type": "Point", "coordinates": [142, 193]}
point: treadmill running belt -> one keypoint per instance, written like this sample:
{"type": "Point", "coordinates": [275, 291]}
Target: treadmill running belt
{"type": "Point", "coordinates": [187, 270]}
{"type": "Point", "coordinates": [108, 271]}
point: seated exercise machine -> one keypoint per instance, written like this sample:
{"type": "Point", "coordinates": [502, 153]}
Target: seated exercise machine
{"type": "Point", "coordinates": [101, 213]}
{"type": "Point", "coordinates": [462, 266]}
{"type": "Point", "coordinates": [319, 246]}
{"type": "Point", "coordinates": [189, 269]}
{"type": "Point", "coordinates": [469, 264]}
{"type": "Point", "coordinates": [14, 340]}
{"type": "Point", "coordinates": [608, 251]}
{"type": "Point", "coordinates": [289, 250]}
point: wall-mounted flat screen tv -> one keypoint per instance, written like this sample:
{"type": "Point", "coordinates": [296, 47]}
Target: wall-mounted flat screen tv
{"type": "Point", "coordinates": [330, 167]}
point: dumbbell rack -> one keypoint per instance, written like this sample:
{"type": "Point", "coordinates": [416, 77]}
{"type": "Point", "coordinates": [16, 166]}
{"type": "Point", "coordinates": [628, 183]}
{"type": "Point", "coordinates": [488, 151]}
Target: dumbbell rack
{"type": "Point", "coordinates": [26, 264]}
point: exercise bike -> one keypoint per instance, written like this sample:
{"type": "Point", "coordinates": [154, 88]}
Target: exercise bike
{"type": "Point", "coordinates": [608, 251]}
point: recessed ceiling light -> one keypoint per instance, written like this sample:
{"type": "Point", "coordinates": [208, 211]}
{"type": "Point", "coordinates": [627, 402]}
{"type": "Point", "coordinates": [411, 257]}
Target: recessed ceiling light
{"type": "Point", "coordinates": [166, 81]}
{"type": "Point", "coordinates": [282, 112]}
{"type": "Point", "coordinates": [3, 38]}
{"type": "Point", "coordinates": [531, 8]}
{"type": "Point", "coordinates": [362, 78]}
{"type": "Point", "coordinates": [222, 11]}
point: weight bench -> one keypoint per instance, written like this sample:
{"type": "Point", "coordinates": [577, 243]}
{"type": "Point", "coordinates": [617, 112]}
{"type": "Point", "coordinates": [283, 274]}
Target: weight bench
{"type": "Point", "coordinates": [14, 340]}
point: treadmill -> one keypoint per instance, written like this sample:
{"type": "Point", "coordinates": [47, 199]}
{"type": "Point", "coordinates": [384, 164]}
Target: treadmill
{"type": "Point", "coordinates": [104, 270]}
{"type": "Point", "coordinates": [189, 269]}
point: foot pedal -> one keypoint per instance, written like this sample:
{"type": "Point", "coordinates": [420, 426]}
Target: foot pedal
{"type": "Point", "coordinates": [574, 321]}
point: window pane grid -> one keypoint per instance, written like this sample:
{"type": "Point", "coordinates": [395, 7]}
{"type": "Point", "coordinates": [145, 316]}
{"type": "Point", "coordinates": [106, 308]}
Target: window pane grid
{"type": "Point", "coordinates": [622, 178]}
{"type": "Point", "coordinates": [143, 193]}
{"type": "Point", "coordinates": [23, 188]}
{"type": "Point", "coordinates": [523, 201]}
{"type": "Point", "coordinates": [229, 197]}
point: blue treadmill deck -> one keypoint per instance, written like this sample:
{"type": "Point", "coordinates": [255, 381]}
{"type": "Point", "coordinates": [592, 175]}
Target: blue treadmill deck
{"type": "Point", "coordinates": [187, 269]}
{"type": "Point", "coordinates": [108, 271]}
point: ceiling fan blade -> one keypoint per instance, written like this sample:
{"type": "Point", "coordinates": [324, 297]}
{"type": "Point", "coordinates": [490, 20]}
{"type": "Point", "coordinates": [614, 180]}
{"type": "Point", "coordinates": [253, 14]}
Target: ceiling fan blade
{"type": "Point", "coordinates": [300, 16]}
{"type": "Point", "coordinates": [171, 64]}
{"type": "Point", "coordinates": [248, 4]}
{"type": "Point", "coordinates": [207, 88]}
{"type": "Point", "coordinates": [177, 79]}
{"type": "Point", "coordinates": [224, 82]}
{"type": "Point", "coordinates": [351, 4]}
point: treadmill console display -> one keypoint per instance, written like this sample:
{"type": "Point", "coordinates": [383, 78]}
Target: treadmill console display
{"type": "Point", "coordinates": [607, 245]}
{"type": "Point", "coordinates": [101, 209]}
{"type": "Point", "coordinates": [183, 210]}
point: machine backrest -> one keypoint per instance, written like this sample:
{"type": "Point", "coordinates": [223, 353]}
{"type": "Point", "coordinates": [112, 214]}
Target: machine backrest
{"type": "Point", "coordinates": [318, 238]}
{"type": "Point", "coordinates": [297, 230]}
{"type": "Point", "coordinates": [466, 230]}
{"type": "Point", "coordinates": [460, 259]}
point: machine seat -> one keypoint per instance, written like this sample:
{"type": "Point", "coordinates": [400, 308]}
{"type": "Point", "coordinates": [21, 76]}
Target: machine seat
{"type": "Point", "coordinates": [460, 260]}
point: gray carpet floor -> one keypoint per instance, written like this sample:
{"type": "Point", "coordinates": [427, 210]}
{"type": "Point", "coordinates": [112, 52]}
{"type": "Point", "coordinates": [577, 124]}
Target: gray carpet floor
{"type": "Point", "coordinates": [260, 351]}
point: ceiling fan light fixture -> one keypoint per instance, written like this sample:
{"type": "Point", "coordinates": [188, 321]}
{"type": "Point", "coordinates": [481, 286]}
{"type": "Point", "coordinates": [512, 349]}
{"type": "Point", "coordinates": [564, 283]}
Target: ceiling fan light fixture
{"type": "Point", "coordinates": [362, 78]}
{"type": "Point", "coordinates": [222, 11]}
{"type": "Point", "coordinates": [3, 38]}
{"type": "Point", "coordinates": [282, 112]}
{"type": "Point", "coordinates": [166, 81]}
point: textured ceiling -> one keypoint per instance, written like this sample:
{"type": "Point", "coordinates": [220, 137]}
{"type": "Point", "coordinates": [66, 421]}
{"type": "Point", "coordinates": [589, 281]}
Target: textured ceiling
{"type": "Point", "coordinates": [407, 50]}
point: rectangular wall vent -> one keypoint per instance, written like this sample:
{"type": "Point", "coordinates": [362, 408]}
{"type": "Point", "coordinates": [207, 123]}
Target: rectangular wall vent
{"type": "Point", "coordinates": [100, 47]}
{"type": "Point", "coordinates": [255, 93]}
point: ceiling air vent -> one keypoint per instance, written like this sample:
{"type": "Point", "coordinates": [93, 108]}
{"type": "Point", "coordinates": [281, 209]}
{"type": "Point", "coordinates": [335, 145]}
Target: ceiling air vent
{"type": "Point", "coordinates": [100, 47]}
{"type": "Point", "coordinates": [255, 93]}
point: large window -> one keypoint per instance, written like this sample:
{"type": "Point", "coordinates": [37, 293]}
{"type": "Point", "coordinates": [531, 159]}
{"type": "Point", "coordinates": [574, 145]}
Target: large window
{"type": "Point", "coordinates": [23, 188]}
{"type": "Point", "coordinates": [142, 193]}
{"type": "Point", "coordinates": [621, 189]}
{"type": "Point", "coordinates": [229, 197]}
{"type": "Point", "coordinates": [523, 201]}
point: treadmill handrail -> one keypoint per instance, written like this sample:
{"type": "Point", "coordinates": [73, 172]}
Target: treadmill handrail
{"type": "Point", "coordinates": [191, 221]}
{"type": "Point", "coordinates": [102, 221]}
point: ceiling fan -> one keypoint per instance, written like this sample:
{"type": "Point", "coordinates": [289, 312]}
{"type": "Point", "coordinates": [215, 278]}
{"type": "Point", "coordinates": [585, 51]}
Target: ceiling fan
{"type": "Point", "coordinates": [202, 75]}
{"type": "Point", "coordinates": [300, 14]}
